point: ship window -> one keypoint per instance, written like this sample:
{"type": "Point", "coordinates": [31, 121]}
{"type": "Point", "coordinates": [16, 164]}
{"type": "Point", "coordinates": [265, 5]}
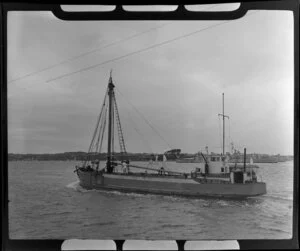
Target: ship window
{"type": "Point", "coordinates": [222, 169]}
{"type": "Point", "coordinates": [213, 159]}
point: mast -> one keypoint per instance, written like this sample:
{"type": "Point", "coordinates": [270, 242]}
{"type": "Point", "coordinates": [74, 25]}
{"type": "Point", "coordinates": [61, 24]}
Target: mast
{"type": "Point", "coordinates": [244, 160]}
{"type": "Point", "coordinates": [223, 125]}
{"type": "Point", "coordinates": [110, 122]}
{"type": "Point", "coordinates": [223, 116]}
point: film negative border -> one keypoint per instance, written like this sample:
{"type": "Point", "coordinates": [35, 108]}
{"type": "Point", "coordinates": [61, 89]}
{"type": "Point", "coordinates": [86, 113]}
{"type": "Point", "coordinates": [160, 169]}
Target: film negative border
{"type": "Point", "coordinates": [120, 14]}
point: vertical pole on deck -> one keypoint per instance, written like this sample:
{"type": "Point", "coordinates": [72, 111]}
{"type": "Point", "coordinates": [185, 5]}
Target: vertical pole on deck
{"type": "Point", "coordinates": [223, 126]}
{"type": "Point", "coordinates": [223, 116]}
{"type": "Point", "coordinates": [244, 160]}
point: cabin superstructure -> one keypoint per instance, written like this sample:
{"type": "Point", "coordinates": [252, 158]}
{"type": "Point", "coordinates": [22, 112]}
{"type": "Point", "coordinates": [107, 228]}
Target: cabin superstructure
{"type": "Point", "coordinates": [217, 166]}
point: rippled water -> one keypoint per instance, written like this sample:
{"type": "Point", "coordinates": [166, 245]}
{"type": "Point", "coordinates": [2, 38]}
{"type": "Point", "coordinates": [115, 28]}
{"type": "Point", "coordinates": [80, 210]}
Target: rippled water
{"type": "Point", "coordinates": [46, 201]}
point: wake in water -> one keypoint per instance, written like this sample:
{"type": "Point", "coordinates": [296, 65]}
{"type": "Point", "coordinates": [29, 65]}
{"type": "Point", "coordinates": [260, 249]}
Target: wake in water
{"type": "Point", "coordinates": [278, 197]}
{"type": "Point", "coordinates": [76, 186]}
{"type": "Point", "coordinates": [172, 198]}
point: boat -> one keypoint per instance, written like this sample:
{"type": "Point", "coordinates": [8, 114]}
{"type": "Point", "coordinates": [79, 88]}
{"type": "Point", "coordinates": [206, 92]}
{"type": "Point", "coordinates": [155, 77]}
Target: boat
{"type": "Point", "coordinates": [253, 158]}
{"type": "Point", "coordinates": [269, 160]}
{"type": "Point", "coordinates": [172, 154]}
{"type": "Point", "coordinates": [212, 178]}
{"type": "Point", "coordinates": [197, 158]}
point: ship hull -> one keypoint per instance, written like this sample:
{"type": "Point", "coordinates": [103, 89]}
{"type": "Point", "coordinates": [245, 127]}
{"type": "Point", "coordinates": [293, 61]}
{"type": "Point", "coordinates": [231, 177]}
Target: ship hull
{"type": "Point", "coordinates": [167, 185]}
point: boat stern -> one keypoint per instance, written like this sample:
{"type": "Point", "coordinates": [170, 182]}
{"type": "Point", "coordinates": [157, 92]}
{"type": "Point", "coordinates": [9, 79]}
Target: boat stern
{"type": "Point", "coordinates": [258, 188]}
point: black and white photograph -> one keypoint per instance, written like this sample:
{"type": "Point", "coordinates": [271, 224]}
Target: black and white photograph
{"type": "Point", "coordinates": [151, 129]}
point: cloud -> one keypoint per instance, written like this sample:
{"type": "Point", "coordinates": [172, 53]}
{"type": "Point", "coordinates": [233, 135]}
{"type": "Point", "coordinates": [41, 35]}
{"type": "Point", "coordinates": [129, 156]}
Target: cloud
{"type": "Point", "coordinates": [177, 86]}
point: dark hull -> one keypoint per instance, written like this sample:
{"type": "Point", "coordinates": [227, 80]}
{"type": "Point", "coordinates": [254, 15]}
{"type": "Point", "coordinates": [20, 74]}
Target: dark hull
{"type": "Point", "coordinates": [167, 185]}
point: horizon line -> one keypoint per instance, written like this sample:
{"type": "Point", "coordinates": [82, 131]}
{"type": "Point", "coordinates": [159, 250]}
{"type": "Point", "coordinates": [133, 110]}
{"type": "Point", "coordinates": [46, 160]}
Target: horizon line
{"type": "Point", "coordinates": [148, 153]}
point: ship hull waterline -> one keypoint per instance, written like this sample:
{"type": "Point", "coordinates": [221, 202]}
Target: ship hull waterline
{"type": "Point", "coordinates": [167, 185]}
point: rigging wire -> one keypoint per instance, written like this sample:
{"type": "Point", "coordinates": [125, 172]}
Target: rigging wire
{"type": "Point", "coordinates": [98, 120]}
{"type": "Point", "coordinates": [120, 131]}
{"type": "Point", "coordinates": [97, 126]}
{"type": "Point", "coordinates": [104, 126]}
{"type": "Point", "coordinates": [96, 49]}
{"type": "Point", "coordinates": [139, 51]}
{"type": "Point", "coordinates": [141, 135]}
{"type": "Point", "coordinates": [88, 52]}
{"type": "Point", "coordinates": [101, 130]}
{"type": "Point", "coordinates": [144, 119]}
{"type": "Point", "coordinates": [99, 133]}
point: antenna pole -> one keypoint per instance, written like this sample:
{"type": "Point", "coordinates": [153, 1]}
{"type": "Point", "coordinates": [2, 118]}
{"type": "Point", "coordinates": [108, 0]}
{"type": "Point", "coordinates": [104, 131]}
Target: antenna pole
{"type": "Point", "coordinates": [244, 160]}
{"type": "Point", "coordinates": [223, 116]}
{"type": "Point", "coordinates": [110, 118]}
{"type": "Point", "coordinates": [223, 126]}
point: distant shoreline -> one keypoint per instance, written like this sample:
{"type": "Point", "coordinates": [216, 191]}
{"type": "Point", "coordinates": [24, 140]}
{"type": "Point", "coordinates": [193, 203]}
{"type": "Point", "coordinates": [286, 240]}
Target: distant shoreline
{"type": "Point", "coordinates": [133, 161]}
{"type": "Point", "coordinates": [82, 156]}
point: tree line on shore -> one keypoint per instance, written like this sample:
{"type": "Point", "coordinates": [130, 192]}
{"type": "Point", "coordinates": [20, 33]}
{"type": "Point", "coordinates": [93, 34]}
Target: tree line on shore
{"type": "Point", "coordinates": [81, 156]}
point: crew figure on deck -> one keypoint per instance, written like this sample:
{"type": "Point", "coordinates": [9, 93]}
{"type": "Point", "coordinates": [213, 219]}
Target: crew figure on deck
{"type": "Point", "coordinates": [127, 166]}
{"type": "Point", "coordinates": [161, 171]}
{"type": "Point", "coordinates": [109, 166]}
{"type": "Point", "coordinates": [124, 167]}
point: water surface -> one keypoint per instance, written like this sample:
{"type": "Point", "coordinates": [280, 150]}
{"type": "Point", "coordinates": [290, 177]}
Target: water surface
{"type": "Point", "coordinates": [46, 201]}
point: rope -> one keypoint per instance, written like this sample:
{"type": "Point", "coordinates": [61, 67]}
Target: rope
{"type": "Point", "coordinates": [142, 50]}
{"type": "Point", "coordinates": [145, 141]}
{"type": "Point", "coordinates": [104, 124]}
{"type": "Point", "coordinates": [100, 130]}
{"type": "Point", "coordinates": [120, 131]}
{"type": "Point", "coordinates": [88, 52]}
{"type": "Point", "coordinates": [154, 169]}
{"type": "Point", "coordinates": [97, 125]}
{"type": "Point", "coordinates": [145, 119]}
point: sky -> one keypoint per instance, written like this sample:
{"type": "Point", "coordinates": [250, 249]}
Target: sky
{"type": "Point", "coordinates": [177, 86]}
